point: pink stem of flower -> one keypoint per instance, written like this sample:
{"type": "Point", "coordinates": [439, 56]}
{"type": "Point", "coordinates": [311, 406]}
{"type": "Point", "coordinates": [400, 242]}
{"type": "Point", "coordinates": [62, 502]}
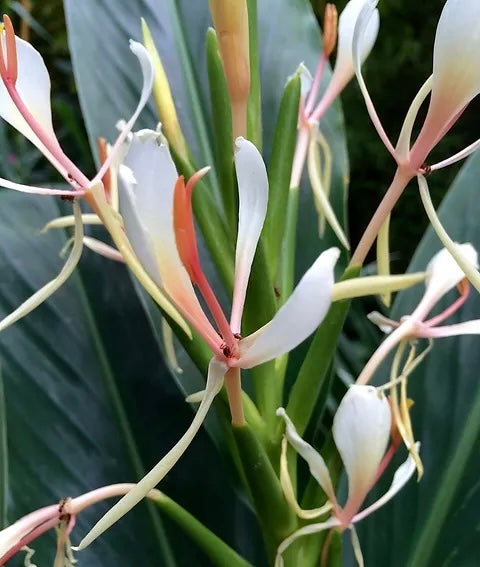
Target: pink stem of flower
{"type": "Point", "coordinates": [38, 531]}
{"type": "Point", "coordinates": [385, 462]}
{"type": "Point", "coordinates": [400, 181]}
{"type": "Point", "coordinates": [300, 155]}
{"type": "Point", "coordinates": [434, 321]}
{"type": "Point", "coordinates": [71, 172]}
{"type": "Point", "coordinates": [401, 332]}
{"type": "Point", "coordinates": [312, 95]}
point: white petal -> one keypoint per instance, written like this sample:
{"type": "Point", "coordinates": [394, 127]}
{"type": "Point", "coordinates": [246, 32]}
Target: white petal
{"type": "Point", "coordinates": [465, 328]}
{"type": "Point", "coordinates": [34, 190]}
{"type": "Point", "coordinates": [216, 372]}
{"type": "Point", "coordinates": [298, 317]}
{"type": "Point", "coordinates": [306, 530]}
{"type": "Point", "coordinates": [343, 70]}
{"type": "Point", "coordinates": [137, 235]}
{"type": "Point", "coordinates": [148, 75]}
{"type": "Point", "coordinates": [33, 86]}
{"type": "Point", "coordinates": [316, 464]}
{"type": "Point", "coordinates": [467, 262]}
{"type": "Point", "coordinates": [367, 12]}
{"type": "Point", "coordinates": [51, 287]}
{"type": "Point", "coordinates": [443, 272]}
{"type": "Point", "coordinates": [361, 430]}
{"type": "Point", "coordinates": [456, 73]}
{"type": "Point", "coordinates": [150, 220]}
{"type": "Point", "coordinates": [385, 324]}
{"type": "Point", "coordinates": [253, 199]}
{"type": "Point", "coordinates": [400, 478]}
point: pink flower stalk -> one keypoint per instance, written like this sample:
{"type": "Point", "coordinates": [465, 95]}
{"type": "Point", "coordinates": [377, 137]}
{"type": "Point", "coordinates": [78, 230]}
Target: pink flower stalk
{"type": "Point", "coordinates": [33, 525]}
{"type": "Point", "coordinates": [443, 275]}
{"type": "Point", "coordinates": [155, 204]}
{"type": "Point", "coordinates": [25, 104]}
{"type": "Point", "coordinates": [455, 81]}
{"type": "Point", "coordinates": [361, 431]}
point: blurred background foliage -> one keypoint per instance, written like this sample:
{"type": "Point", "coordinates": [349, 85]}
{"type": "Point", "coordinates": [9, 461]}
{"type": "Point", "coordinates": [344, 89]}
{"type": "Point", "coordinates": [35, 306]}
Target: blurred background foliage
{"type": "Point", "coordinates": [401, 60]}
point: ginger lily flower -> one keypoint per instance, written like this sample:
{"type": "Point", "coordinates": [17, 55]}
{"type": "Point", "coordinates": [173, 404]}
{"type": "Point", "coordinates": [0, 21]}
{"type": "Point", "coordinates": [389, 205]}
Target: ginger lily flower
{"type": "Point", "coordinates": [454, 83]}
{"type": "Point", "coordinates": [25, 104]}
{"type": "Point", "coordinates": [361, 431]}
{"type": "Point", "coordinates": [156, 207]}
{"type": "Point", "coordinates": [63, 515]}
{"type": "Point", "coordinates": [443, 275]}
{"type": "Point", "coordinates": [310, 142]}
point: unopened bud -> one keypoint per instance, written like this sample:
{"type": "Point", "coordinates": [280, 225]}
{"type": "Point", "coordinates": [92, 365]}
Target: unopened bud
{"type": "Point", "coordinates": [330, 26]}
{"type": "Point", "coordinates": [230, 18]}
{"type": "Point", "coordinates": [163, 98]}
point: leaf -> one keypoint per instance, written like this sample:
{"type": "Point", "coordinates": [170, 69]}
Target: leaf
{"type": "Point", "coordinates": [67, 423]}
{"type": "Point", "coordinates": [435, 522]}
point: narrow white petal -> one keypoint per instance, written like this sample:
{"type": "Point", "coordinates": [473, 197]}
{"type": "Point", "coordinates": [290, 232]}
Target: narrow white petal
{"type": "Point", "coordinates": [34, 190]}
{"type": "Point", "coordinates": [51, 287]}
{"type": "Point", "coordinates": [465, 259]}
{"type": "Point", "coordinates": [148, 75]}
{"type": "Point", "coordinates": [403, 145]}
{"type": "Point", "coordinates": [361, 430]}
{"type": "Point", "coordinates": [306, 530]}
{"type": "Point", "coordinates": [367, 12]}
{"type": "Point", "coordinates": [306, 79]}
{"type": "Point", "coordinates": [385, 324]}
{"type": "Point", "coordinates": [216, 372]}
{"type": "Point", "coordinates": [343, 70]}
{"type": "Point", "coordinates": [298, 317]}
{"type": "Point", "coordinates": [102, 249]}
{"type": "Point", "coordinates": [465, 328]}
{"type": "Point", "coordinates": [69, 220]}
{"type": "Point", "coordinates": [253, 199]}
{"type": "Point", "coordinates": [473, 147]}
{"type": "Point", "coordinates": [146, 203]}
{"type": "Point", "coordinates": [316, 464]}
{"type": "Point", "coordinates": [357, 550]}
{"type": "Point", "coordinates": [400, 478]}
{"type": "Point", "coordinates": [33, 86]}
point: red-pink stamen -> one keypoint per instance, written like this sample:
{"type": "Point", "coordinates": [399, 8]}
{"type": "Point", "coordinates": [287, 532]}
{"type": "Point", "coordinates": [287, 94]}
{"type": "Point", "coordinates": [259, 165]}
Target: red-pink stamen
{"type": "Point", "coordinates": [464, 289]}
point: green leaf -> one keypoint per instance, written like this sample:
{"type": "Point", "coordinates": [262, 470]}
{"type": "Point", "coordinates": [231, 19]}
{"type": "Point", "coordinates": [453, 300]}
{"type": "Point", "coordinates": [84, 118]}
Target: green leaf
{"type": "Point", "coordinates": [435, 522]}
{"type": "Point", "coordinates": [314, 379]}
{"type": "Point", "coordinates": [69, 428]}
{"type": "Point", "coordinates": [3, 458]}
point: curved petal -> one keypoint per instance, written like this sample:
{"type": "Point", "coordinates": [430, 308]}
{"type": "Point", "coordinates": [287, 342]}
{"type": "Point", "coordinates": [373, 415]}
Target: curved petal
{"type": "Point", "coordinates": [138, 237]}
{"type": "Point", "coordinates": [151, 177]}
{"type": "Point", "coordinates": [465, 328]}
{"type": "Point", "coordinates": [216, 372]}
{"type": "Point", "coordinates": [33, 86]}
{"type": "Point", "coordinates": [315, 461]}
{"type": "Point", "coordinates": [298, 317]}
{"type": "Point", "coordinates": [51, 287]}
{"type": "Point", "coordinates": [306, 530]}
{"type": "Point", "coordinates": [367, 12]}
{"type": "Point", "coordinates": [148, 75]}
{"type": "Point", "coordinates": [361, 430]}
{"type": "Point", "coordinates": [456, 73]}
{"type": "Point", "coordinates": [400, 478]}
{"type": "Point", "coordinates": [36, 190]}
{"type": "Point", "coordinates": [253, 199]}
{"type": "Point", "coordinates": [344, 69]}
{"type": "Point", "coordinates": [465, 258]}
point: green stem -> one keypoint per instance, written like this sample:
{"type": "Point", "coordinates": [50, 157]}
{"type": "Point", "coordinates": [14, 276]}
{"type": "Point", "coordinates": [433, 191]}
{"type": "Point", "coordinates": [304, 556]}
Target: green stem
{"type": "Point", "coordinates": [219, 553]}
